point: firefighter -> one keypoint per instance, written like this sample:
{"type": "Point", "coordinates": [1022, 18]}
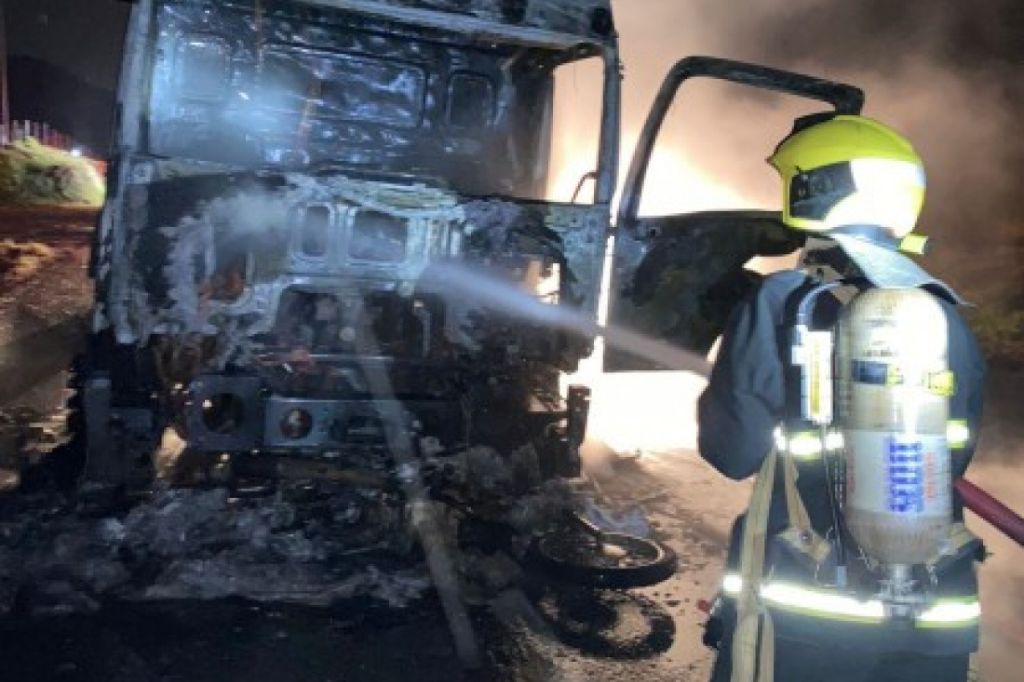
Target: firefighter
{"type": "Point", "coordinates": [803, 598]}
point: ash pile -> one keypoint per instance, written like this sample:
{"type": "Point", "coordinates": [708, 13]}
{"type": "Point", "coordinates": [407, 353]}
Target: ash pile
{"type": "Point", "coordinates": [305, 542]}
{"type": "Point", "coordinates": [301, 544]}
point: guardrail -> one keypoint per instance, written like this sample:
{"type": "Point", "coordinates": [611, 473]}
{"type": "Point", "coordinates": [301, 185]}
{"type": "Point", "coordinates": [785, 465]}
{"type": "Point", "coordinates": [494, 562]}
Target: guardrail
{"type": "Point", "coordinates": [15, 131]}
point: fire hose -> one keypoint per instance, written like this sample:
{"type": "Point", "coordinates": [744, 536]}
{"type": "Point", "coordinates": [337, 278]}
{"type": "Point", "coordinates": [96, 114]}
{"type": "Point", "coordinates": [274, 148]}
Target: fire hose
{"type": "Point", "coordinates": [1007, 521]}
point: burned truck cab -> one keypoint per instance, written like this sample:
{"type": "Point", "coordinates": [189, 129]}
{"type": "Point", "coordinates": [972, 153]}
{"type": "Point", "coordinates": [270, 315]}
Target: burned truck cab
{"type": "Point", "coordinates": [293, 185]}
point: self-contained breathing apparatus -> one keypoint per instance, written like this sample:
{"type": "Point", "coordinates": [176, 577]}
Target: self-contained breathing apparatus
{"type": "Point", "coordinates": [870, 406]}
{"type": "Point", "coordinates": [876, 390]}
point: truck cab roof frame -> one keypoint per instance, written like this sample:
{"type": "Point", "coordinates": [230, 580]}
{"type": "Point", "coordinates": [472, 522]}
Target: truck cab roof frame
{"type": "Point", "coordinates": [595, 17]}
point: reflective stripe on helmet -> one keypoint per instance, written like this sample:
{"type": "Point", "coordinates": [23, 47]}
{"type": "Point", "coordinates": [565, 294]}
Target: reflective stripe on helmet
{"type": "Point", "coordinates": [815, 193]}
{"type": "Point", "coordinates": [834, 606]}
{"type": "Point", "coordinates": [872, 174]}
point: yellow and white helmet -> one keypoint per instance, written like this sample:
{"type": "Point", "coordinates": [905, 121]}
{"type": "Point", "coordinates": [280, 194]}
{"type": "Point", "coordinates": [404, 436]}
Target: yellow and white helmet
{"type": "Point", "coordinates": [851, 175]}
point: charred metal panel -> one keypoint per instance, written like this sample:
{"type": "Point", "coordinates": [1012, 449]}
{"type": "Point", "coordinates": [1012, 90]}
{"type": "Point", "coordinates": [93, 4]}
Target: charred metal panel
{"type": "Point", "coordinates": [345, 424]}
{"type": "Point", "coordinates": [570, 234]}
{"type": "Point", "coordinates": [226, 414]}
{"type": "Point", "coordinates": [576, 19]}
{"type": "Point", "coordinates": [678, 278]}
{"type": "Point", "coordinates": [231, 256]}
{"type": "Point", "coordinates": [302, 193]}
{"type": "Point", "coordinates": [683, 280]}
{"type": "Point", "coordinates": [295, 87]}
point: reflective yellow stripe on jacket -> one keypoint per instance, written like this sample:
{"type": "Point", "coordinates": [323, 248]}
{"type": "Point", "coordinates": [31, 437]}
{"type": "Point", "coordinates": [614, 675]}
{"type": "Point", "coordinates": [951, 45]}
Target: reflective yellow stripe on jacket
{"type": "Point", "coordinates": [945, 613]}
{"type": "Point", "coordinates": [807, 444]}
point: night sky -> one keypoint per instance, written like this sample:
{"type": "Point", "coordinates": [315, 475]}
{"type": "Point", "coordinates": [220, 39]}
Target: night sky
{"type": "Point", "coordinates": [64, 57]}
{"type": "Point", "coordinates": [81, 36]}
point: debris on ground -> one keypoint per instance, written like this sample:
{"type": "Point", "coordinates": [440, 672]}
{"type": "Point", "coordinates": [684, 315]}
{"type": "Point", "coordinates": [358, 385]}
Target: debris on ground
{"type": "Point", "coordinates": [302, 544]}
{"type": "Point", "coordinates": [305, 542]}
{"type": "Point", "coordinates": [632, 521]}
{"type": "Point", "coordinates": [26, 436]}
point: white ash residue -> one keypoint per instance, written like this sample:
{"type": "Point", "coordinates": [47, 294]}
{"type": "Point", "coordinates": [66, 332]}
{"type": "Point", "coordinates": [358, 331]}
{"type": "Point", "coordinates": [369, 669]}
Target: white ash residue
{"type": "Point", "coordinates": [304, 544]}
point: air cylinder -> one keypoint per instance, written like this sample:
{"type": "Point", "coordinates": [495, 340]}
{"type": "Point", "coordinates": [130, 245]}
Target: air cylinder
{"type": "Point", "coordinates": [893, 387]}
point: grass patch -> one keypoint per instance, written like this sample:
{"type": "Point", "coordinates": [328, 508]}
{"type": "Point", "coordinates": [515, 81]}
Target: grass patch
{"type": "Point", "coordinates": [32, 173]}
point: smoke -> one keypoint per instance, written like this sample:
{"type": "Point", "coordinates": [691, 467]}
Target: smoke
{"type": "Point", "coordinates": [484, 289]}
{"type": "Point", "coordinates": [943, 72]}
{"type": "Point", "coordinates": [996, 468]}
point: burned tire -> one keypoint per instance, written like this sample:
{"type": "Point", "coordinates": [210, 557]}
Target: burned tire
{"type": "Point", "coordinates": [617, 562]}
{"type": "Point", "coordinates": [113, 425]}
{"type": "Point", "coordinates": [62, 467]}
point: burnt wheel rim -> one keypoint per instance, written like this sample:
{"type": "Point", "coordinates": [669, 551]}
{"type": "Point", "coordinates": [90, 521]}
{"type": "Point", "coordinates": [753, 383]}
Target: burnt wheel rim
{"type": "Point", "coordinates": [616, 561]}
{"type": "Point", "coordinates": [614, 551]}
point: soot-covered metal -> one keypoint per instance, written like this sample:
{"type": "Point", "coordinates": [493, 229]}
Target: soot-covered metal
{"type": "Point", "coordinates": [299, 87]}
{"type": "Point", "coordinates": [294, 180]}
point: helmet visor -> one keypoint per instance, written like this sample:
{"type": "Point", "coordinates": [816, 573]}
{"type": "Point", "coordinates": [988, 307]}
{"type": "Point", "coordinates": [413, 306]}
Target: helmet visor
{"type": "Point", "coordinates": [813, 194]}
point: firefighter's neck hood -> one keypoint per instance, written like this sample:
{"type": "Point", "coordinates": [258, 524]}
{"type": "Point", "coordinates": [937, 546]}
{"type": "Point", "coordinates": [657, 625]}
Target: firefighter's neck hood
{"type": "Point", "coordinates": [881, 264]}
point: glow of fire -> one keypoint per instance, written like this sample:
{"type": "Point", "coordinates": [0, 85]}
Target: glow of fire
{"type": "Point", "coordinates": [651, 411]}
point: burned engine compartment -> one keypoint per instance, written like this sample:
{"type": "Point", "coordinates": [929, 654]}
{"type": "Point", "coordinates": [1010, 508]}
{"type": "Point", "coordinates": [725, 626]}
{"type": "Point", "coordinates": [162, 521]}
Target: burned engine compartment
{"type": "Point", "coordinates": [267, 301]}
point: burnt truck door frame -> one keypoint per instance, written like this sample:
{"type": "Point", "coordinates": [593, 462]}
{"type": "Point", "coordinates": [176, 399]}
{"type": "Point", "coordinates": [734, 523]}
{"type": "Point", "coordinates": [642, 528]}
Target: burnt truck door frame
{"type": "Point", "coordinates": [676, 278]}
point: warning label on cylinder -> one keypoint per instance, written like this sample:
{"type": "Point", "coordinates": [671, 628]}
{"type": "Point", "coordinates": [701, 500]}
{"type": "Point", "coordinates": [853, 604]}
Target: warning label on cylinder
{"type": "Point", "coordinates": [900, 474]}
{"type": "Point", "coordinates": [906, 476]}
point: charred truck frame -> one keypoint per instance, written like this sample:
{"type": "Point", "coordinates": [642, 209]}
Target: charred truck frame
{"type": "Point", "coordinates": [289, 176]}
{"type": "Point", "coordinates": [297, 188]}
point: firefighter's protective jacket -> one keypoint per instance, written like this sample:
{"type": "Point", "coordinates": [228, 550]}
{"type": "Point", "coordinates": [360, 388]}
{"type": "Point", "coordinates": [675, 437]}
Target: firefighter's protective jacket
{"type": "Point", "coordinates": [739, 413]}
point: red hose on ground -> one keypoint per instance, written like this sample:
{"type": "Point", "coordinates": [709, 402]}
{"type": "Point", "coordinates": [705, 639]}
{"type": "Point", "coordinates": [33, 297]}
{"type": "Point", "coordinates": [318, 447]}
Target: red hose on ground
{"type": "Point", "coordinates": [992, 510]}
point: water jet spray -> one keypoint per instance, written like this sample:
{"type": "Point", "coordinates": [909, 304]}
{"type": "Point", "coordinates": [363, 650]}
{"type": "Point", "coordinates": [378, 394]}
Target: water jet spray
{"type": "Point", "coordinates": [487, 290]}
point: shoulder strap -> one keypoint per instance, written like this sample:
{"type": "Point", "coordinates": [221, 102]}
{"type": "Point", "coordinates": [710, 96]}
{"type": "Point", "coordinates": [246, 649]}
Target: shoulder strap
{"type": "Point", "coordinates": [753, 646]}
{"type": "Point", "coordinates": [751, 634]}
{"type": "Point", "coordinates": [800, 535]}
